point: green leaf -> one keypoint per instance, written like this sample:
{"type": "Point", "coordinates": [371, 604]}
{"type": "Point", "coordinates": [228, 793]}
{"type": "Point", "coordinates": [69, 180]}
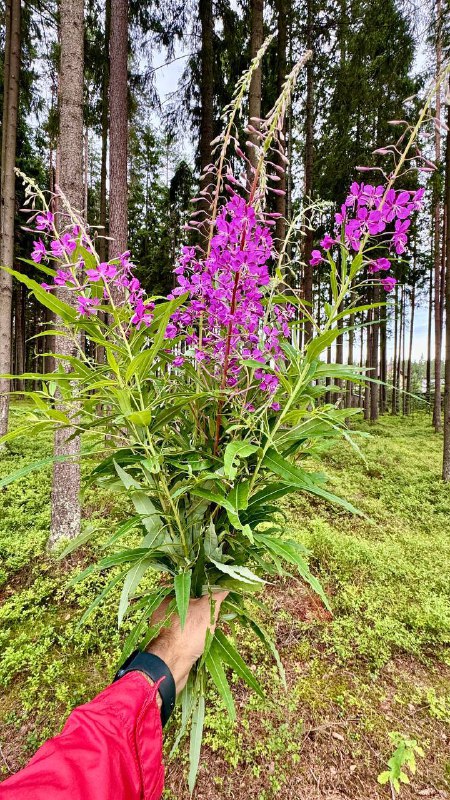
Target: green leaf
{"type": "Point", "coordinates": [126, 526]}
{"type": "Point", "coordinates": [321, 342]}
{"type": "Point", "coordinates": [217, 672]}
{"type": "Point", "coordinates": [44, 462]}
{"type": "Point", "coordinates": [384, 777]}
{"type": "Point", "coordinates": [270, 644]}
{"type": "Point", "coordinates": [47, 299]}
{"type": "Point", "coordinates": [101, 596]}
{"type": "Point", "coordinates": [229, 654]}
{"type": "Point", "coordinates": [154, 601]}
{"type": "Point", "coordinates": [195, 743]}
{"type": "Point", "coordinates": [143, 505]}
{"type": "Point", "coordinates": [132, 580]}
{"type": "Point", "coordinates": [237, 572]}
{"type": "Point", "coordinates": [79, 540]}
{"type": "Point", "coordinates": [235, 450]}
{"type": "Point", "coordinates": [238, 497]}
{"type": "Point", "coordinates": [140, 417]}
{"type": "Point", "coordinates": [141, 364]}
{"type": "Point", "coordinates": [266, 495]}
{"type": "Point", "coordinates": [182, 583]}
{"type": "Point", "coordinates": [293, 554]}
{"type": "Point", "coordinates": [300, 479]}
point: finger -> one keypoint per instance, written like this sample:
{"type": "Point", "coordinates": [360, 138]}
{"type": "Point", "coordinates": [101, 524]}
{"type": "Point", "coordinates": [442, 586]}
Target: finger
{"type": "Point", "coordinates": [218, 598]}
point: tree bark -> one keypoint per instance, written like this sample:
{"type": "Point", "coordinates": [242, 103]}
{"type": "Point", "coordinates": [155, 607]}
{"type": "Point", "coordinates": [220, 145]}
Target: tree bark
{"type": "Point", "coordinates": [283, 8]}
{"type": "Point", "coordinates": [430, 320]}
{"type": "Point", "coordinates": [374, 358]}
{"type": "Point", "coordinates": [350, 360]}
{"type": "Point", "coordinates": [437, 231]}
{"type": "Point", "coordinates": [254, 94]}
{"type": "Point", "coordinates": [66, 513]}
{"type": "Point", "coordinates": [394, 360]}
{"type": "Point", "coordinates": [118, 133]}
{"type": "Point", "coordinates": [402, 349]}
{"type": "Point", "coordinates": [206, 95]}
{"type": "Point", "coordinates": [309, 167]}
{"type": "Point", "coordinates": [410, 346]}
{"type": "Point", "coordinates": [446, 454]}
{"type": "Point", "coordinates": [8, 200]}
{"type": "Point", "coordinates": [383, 365]}
{"type": "Point", "coordinates": [19, 336]}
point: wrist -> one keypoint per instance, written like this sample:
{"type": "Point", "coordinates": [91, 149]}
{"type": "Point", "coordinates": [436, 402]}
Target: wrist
{"type": "Point", "coordinates": [172, 660]}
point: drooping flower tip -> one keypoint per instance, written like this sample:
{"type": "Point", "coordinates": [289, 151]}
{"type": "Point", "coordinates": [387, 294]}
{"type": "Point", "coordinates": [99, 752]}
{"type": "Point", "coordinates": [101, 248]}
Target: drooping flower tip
{"type": "Point", "coordinates": [327, 242]}
{"type": "Point", "coordinates": [388, 283]}
{"type": "Point", "coordinates": [316, 258]}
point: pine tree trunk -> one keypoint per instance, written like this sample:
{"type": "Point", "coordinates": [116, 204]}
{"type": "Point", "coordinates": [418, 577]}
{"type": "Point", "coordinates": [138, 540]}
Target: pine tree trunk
{"type": "Point", "coordinates": [430, 320]}
{"type": "Point", "coordinates": [446, 455]}
{"type": "Point", "coordinates": [361, 362]}
{"type": "Point", "coordinates": [350, 360]}
{"type": "Point", "coordinates": [383, 364]}
{"type": "Point", "coordinates": [309, 167]}
{"type": "Point", "coordinates": [102, 244]}
{"type": "Point", "coordinates": [283, 9]}
{"type": "Point", "coordinates": [254, 95]}
{"type": "Point", "coordinates": [374, 359]}
{"type": "Point", "coordinates": [8, 200]}
{"type": "Point", "coordinates": [66, 512]}
{"type": "Point", "coordinates": [118, 144]}
{"type": "Point", "coordinates": [394, 360]}
{"type": "Point", "coordinates": [410, 346]}
{"type": "Point", "coordinates": [437, 231]}
{"type": "Point", "coordinates": [206, 92]}
{"type": "Point", "coordinates": [402, 349]}
{"type": "Point", "coordinates": [369, 351]}
{"type": "Point", "coordinates": [19, 336]}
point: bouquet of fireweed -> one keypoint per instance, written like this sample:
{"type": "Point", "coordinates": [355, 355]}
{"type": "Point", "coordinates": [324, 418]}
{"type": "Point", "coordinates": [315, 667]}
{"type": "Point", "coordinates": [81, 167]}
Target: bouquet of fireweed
{"type": "Point", "coordinates": [204, 410]}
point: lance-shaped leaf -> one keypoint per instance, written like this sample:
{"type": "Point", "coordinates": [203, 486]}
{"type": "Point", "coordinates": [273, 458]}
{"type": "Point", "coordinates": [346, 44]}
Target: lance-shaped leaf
{"type": "Point", "coordinates": [132, 580]}
{"type": "Point", "coordinates": [215, 668]}
{"type": "Point", "coordinates": [238, 573]}
{"type": "Point", "coordinates": [229, 654]}
{"type": "Point", "coordinates": [47, 299]}
{"type": "Point", "coordinates": [144, 506]}
{"type": "Point", "coordinates": [235, 450]}
{"type": "Point", "coordinates": [182, 584]}
{"type": "Point", "coordinates": [293, 553]}
{"type": "Point", "coordinates": [300, 479]}
{"type": "Point", "coordinates": [195, 743]}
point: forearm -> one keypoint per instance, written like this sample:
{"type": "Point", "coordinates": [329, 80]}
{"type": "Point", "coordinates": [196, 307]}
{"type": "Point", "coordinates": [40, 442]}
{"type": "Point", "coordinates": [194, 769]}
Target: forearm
{"type": "Point", "coordinates": [109, 749]}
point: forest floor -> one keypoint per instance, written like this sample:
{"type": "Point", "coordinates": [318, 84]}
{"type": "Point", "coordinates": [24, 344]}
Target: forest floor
{"type": "Point", "coordinates": [380, 664]}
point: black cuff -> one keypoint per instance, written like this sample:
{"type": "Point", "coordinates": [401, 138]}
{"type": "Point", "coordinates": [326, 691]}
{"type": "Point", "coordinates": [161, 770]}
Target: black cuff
{"type": "Point", "coordinates": [155, 668]}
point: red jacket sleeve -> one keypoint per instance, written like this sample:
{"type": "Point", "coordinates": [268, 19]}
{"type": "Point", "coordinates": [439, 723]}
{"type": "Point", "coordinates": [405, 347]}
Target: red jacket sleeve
{"type": "Point", "coordinates": [109, 749]}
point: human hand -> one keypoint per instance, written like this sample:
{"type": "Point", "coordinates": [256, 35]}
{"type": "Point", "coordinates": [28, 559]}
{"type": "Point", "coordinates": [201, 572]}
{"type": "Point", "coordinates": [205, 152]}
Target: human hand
{"type": "Point", "coordinates": [180, 649]}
